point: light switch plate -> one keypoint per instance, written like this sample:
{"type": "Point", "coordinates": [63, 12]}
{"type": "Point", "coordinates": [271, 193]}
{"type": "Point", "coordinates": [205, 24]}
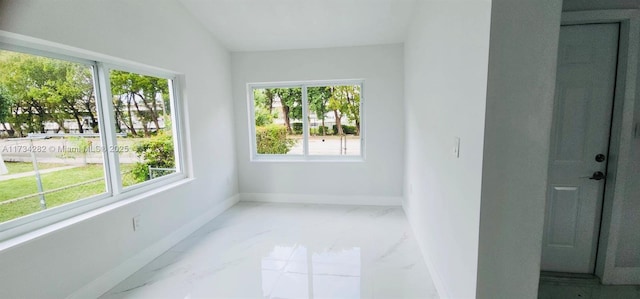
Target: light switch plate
{"type": "Point", "coordinates": [136, 222]}
{"type": "Point", "coordinates": [456, 147]}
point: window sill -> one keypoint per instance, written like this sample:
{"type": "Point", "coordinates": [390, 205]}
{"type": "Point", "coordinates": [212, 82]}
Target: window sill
{"type": "Point", "coordinates": [39, 228]}
{"type": "Point", "coordinates": [307, 159]}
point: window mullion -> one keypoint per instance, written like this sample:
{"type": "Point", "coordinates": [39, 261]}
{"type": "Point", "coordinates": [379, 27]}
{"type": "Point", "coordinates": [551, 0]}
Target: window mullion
{"type": "Point", "coordinates": [362, 120]}
{"type": "Point", "coordinates": [252, 122]}
{"type": "Point", "coordinates": [175, 125]}
{"type": "Point", "coordinates": [305, 121]}
{"type": "Point", "coordinates": [98, 89]}
{"type": "Point", "coordinates": [108, 118]}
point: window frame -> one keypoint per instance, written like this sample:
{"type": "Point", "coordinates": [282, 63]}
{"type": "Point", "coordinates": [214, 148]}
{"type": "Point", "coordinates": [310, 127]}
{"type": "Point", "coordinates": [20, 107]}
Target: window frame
{"type": "Point", "coordinates": [305, 156]}
{"type": "Point", "coordinates": [114, 191]}
{"type": "Point", "coordinates": [114, 159]}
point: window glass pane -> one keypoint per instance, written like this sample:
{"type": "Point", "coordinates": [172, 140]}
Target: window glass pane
{"type": "Point", "coordinates": [143, 121]}
{"type": "Point", "coordinates": [334, 120]}
{"type": "Point", "coordinates": [50, 146]}
{"type": "Point", "coordinates": [278, 121]}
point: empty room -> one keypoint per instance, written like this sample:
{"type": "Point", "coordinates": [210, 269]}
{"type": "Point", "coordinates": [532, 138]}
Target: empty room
{"type": "Point", "coordinates": [319, 149]}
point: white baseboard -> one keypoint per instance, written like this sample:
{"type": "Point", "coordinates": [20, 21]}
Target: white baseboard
{"type": "Point", "coordinates": [435, 277]}
{"type": "Point", "coordinates": [104, 283]}
{"type": "Point", "coordinates": [623, 276]}
{"type": "Point", "coordinates": [363, 200]}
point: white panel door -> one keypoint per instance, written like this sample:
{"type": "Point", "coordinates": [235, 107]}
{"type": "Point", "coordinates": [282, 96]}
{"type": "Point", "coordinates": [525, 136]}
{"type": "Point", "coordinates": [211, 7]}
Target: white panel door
{"type": "Point", "coordinates": [587, 59]}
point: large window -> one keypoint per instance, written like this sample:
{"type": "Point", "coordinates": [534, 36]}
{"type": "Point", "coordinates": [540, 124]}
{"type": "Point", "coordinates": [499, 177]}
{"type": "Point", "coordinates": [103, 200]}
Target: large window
{"type": "Point", "coordinates": [74, 132]}
{"type": "Point", "coordinates": [48, 124]}
{"type": "Point", "coordinates": [308, 121]}
{"type": "Point", "coordinates": [143, 124]}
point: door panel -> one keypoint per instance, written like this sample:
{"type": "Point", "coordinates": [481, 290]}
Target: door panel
{"type": "Point", "coordinates": [573, 118]}
{"type": "Point", "coordinates": [563, 216]}
{"type": "Point", "coordinates": [587, 59]}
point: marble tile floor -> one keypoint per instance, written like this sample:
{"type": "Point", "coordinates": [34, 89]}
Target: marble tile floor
{"type": "Point", "coordinates": [260, 250]}
{"type": "Point", "coordinates": [559, 287]}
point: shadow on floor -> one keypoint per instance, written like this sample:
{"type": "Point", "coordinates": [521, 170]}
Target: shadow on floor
{"type": "Point", "coordinates": [558, 286]}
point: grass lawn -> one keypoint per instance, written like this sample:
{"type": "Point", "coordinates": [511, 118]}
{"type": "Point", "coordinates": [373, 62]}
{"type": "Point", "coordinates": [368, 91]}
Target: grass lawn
{"type": "Point", "coordinates": [19, 187]}
{"type": "Point", "coordinates": [19, 167]}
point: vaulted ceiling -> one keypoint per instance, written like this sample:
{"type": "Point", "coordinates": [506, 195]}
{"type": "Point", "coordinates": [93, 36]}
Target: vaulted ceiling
{"type": "Point", "coordinates": [258, 25]}
{"type": "Point", "coordinates": [261, 25]}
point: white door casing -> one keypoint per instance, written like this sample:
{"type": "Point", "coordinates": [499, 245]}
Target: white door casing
{"type": "Point", "coordinates": [587, 58]}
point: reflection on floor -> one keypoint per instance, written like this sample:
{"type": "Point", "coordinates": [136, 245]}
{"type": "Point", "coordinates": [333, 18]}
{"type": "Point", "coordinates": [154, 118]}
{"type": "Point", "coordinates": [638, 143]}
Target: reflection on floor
{"type": "Point", "coordinates": [290, 251]}
{"type": "Point", "coordinates": [553, 286]}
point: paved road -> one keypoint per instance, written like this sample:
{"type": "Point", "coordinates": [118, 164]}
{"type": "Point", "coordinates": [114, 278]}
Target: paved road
{"type": "Point", "coordinates": [7, 177]}
{"type": "Point", "coordinates": [62, 151]}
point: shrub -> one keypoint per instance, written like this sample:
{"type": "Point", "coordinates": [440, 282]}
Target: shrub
{"type": "Point", "coordinates": [156, 152]}
{"type": "Point", "coordinates": [83, 145]}
{"type": "Point", "coordinates": [320, 131]}
{"type": "Point", "coordinates": [263, 117]}
{"type": "Point", "coordinates": [272, 139]}
{"type": "Point", "coordinates": [323, 129]}
{"type": "Point", "coordinates": [349, 129]}
{"type": "Point", "coordinates": [296, 128]}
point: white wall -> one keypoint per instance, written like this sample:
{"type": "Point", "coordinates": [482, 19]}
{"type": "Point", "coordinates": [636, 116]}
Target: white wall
{"type": "Point", "coordinates": [628, 250]}
{"type": "Point", "coordinates": [522, 68]}
{"type": "Point", "coordinates": [625, 267]}
{"type": "Point", "coordinates": [381, 174]}
{"type": "Point", "coordinates": [157, 33]}
{"type": "Point", "coordinates": [446, 58]}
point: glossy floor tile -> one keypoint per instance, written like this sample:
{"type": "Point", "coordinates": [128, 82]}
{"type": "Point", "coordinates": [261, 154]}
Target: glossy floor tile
{"type": "Point", "coordinates": [568, 288]}
{"type": "Point", "coordinates": [257, 250]}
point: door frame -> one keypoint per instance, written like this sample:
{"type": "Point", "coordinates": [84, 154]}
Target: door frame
{"type": "Point", "coordinates": [621, 138]}
{"type": "Point", "coordinates": [578, 257]}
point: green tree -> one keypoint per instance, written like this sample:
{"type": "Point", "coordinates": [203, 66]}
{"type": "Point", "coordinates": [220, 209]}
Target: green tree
{"type": "Point", "coordinates": [24, 79]}
{"type": "Point", "coordinates": [337, 106]}
{"type": "Point", "coordinates": [39, 89]}
{"type": "Point", "coordinates": [318, 102]}
{"type": "Point", "coordinates": [291, 101]}
{"type": "Point", "coordinates": [72, 95]}
{"type": "Point", "coordinates": [345, 100]}
{"type": "Point", "coordinates": [264, 98]}
{"type": "Point", "coordinates": [263, 106]}
{"type": "Point", "coordinates": [351, 95]}
{"type": "Point", "coordinates": [135, 91]}
{"type": "Point", "coordinates": [5, 113]}
{"type": "Point", "coordinates": [79, 83]}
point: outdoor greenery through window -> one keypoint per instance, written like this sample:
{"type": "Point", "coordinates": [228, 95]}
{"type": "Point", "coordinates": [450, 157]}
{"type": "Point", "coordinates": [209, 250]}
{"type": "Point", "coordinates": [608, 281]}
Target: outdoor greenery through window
{"type": "Point", "coordinates": [308, 120]}
{"type": "Point", "coordinates": [142, 108]}
{"type": "Point", "coordinates": [56, 137]}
